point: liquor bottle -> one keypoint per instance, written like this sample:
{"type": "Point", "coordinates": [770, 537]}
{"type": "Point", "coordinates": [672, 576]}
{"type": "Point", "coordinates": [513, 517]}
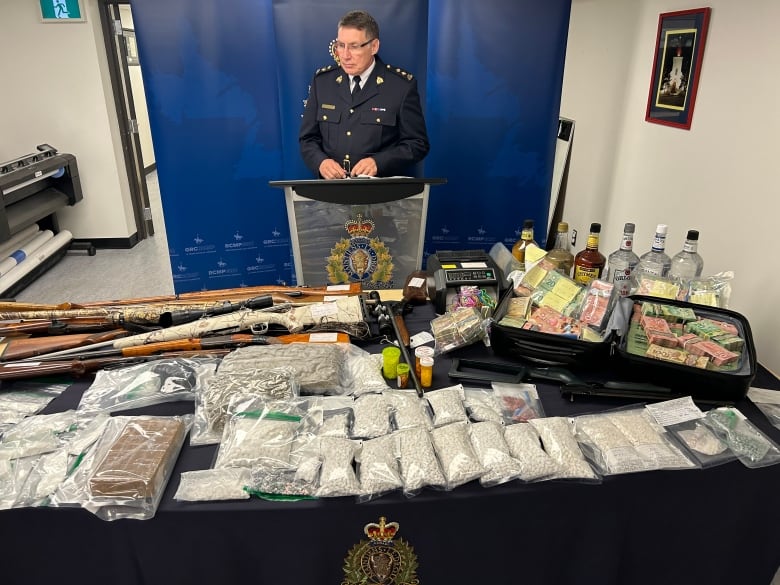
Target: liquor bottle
{"type": "Point", "coordinates": [656, 261]}
{"type": "Point", "coordinates": [622, 262]}
{"type": "Point", "coordinates": [561, 255]}
{"type": "Point", "coordinates": [687, 263]}
{"type": "Point", "coordinates": [526, 238]}
{"type": "Point", "coordinates": [589, 263]}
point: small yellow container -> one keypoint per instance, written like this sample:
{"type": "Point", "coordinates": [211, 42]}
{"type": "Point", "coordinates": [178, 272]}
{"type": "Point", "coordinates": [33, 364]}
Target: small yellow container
{"type": "Point", "coordinates": [426, 372]}
{"type": "Point", "coordinates": [421, 352]}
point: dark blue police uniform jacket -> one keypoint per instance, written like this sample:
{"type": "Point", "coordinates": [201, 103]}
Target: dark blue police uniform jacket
{"type": "Point", "coordinates": [385, 121]}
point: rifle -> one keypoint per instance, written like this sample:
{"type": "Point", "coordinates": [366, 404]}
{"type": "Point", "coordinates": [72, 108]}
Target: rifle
{"type": "Point", "coordinates": [393, 322]}
{"type": "Point", "coordinates": [143, 316]}
{"type": "Point", "coordinates": [19, 349]}
{"type": "Point", "coordinates": [344, 310]}
{"type": "Point", "coordinates": [64, 326]}
{"type": "Point", "coordinates": [288, 293]}
{"type": "Point", "coordinates": [25, 370]}
{"type": "Point", "coordinates": [205, 343]}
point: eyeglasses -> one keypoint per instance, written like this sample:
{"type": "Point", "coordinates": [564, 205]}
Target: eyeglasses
{"type": "Point", "coordinates": [353, 47]}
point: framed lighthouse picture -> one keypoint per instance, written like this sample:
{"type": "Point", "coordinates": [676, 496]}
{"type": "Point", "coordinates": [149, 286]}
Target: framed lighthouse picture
{"type": "Point", "coordinates": [679, 49]}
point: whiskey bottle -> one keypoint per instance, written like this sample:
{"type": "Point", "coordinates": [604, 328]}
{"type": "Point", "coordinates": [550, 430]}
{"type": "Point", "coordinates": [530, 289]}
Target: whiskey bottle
{"type": "Point", "coordinates": [589, 263]}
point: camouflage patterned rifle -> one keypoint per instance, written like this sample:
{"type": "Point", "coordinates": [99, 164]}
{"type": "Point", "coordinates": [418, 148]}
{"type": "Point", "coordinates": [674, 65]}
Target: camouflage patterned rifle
{"type": "Point", "coordinates": [344, 310]}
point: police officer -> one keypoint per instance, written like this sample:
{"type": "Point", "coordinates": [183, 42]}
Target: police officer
{"type": "Point", "coordinates": [364, 116]}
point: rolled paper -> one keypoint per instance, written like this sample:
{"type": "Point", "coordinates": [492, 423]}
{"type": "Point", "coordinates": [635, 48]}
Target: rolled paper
{"type": "Point", "coordinates": [20, 254]}
{"type": "Point", "coordinates": [62, 239]}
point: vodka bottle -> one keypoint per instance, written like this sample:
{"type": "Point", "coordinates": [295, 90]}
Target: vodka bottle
{"type": "Point", "coordinates": [526, 238]}
{"type": "Point", "coordinates": [561, 255]}
{"type": "Point", "coordinates": [622, 262]}
{"type": "Point", "coordinates": [687, 263]}
{"type": "Point", "coordinates": [589, 263]}
{"type": "Point", "coordinates": [656, 261]}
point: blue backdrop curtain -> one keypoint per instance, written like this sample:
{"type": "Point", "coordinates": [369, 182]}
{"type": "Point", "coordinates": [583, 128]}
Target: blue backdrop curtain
{"type": "Point", "coordinates": [226, 82]}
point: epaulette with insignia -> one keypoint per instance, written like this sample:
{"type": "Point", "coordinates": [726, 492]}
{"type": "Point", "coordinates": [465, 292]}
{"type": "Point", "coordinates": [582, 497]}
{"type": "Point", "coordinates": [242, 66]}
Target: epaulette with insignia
{"type": "Point", "coordinates": [400, 72]}
{"type": "Point", "coordinates": [324, 69]}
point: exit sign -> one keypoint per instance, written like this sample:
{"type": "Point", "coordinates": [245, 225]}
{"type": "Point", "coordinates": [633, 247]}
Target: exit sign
{"type": "Point", "coordinates": [61, 11]}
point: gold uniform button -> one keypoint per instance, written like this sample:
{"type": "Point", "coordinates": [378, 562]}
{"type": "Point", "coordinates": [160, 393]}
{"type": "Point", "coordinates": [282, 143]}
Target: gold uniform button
{"type": "Point", "coordinates": [346, 157]}
{"type": "Point", "coordinates": [351, 111]}
{"type": "Point", "coordinates": [324, 117]}
{"type": "Point", "coordinates": [378, 120]}
{"type": "Point", "coordinates": [349, 133]}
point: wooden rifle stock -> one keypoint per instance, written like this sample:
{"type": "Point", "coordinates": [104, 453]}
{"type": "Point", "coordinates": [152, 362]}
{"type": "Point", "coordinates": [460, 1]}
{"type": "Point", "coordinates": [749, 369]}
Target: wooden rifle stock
{"type": "Point", "coordinates": [65, 326]}
{"type": "Point", "coordinates": [19, 349]}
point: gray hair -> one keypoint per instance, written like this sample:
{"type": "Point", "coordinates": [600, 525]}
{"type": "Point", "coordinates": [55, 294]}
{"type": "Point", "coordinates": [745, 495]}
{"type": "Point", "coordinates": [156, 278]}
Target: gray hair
{"type": "Point", "coordinates": [360, 20]}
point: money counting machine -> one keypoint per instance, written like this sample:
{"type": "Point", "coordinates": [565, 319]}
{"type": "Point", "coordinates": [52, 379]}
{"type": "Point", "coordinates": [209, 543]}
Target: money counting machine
{"type": "Point", "coordinates": [33, 188]}
{"type": "Point", "coordinates": [448, 270]}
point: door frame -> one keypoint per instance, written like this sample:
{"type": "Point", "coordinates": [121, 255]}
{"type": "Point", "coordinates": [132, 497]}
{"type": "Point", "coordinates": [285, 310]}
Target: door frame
{"type": "Point", "coordinates": [119, 72]}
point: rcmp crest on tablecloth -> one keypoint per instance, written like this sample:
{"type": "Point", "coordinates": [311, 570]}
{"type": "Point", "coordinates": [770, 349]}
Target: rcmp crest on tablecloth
{"type": "Point", "coordinates": [360, 258]}
{"type": "Point", "coordinates": [380, 560]}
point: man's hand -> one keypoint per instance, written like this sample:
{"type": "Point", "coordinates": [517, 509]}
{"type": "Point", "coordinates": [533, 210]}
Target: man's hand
{"type": "Point", "coordinates": [366, 166]}
{"type": "Point", "coordinates": [330, 169]}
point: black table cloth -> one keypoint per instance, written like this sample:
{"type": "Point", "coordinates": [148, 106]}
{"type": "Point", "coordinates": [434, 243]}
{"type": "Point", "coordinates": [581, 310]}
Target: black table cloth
{"type": "Point", "coordinates": [710, 526]}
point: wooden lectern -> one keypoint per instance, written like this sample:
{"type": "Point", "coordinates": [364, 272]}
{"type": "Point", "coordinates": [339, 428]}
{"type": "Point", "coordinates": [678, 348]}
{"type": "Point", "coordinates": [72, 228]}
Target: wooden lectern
{"type": "Point", "coordinates": [367, 230]}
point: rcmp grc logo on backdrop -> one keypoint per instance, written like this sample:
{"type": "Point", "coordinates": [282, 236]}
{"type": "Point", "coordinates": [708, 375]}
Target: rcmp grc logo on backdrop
{"type": "Point", "coordinates": [360, 258]}
{"type": "Point", "coordinates": [381, 560]}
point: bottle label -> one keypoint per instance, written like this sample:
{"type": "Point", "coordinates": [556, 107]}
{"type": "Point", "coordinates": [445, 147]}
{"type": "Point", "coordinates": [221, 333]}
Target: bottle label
{"type": "Point", "coordinates": [653, 269]}
{"type": "Point", "coordinates": [627, 243]}
{"type": "Point", "coordinates": [593, 242]}
{"type": "Point", "coordinates": [659, 242]}
{"type": "Point", "coordinates": [689, 246]}
{"type": "Point", "coordinates": [621, 278]}
{"type": "Point", "coordinates": [527, 235]}
{"type": "Point", "coordinates": [584, 274]}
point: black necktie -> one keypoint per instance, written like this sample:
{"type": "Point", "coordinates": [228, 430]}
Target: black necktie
{"type": "Point", "coordinates": [356, 87]}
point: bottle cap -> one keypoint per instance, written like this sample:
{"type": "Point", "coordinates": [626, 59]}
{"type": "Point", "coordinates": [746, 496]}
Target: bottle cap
{"type": "Point", "coordinates": [661, 228]}
{"type": "Point", "coordinates": [693, 235]}
{"type": "Point", "coordinates": [629, 228]}
{"type": "Point", "coordinates": [595, 228]}
{"type": "Point", "coordinates": [528, 223]}
{"type": "Point", "coordinates": [563, 226]}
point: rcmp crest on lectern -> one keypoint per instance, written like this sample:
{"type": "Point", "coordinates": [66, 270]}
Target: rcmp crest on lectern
{"type": "Point", "coordinates": [360, 258]}
{"type": "Point", "coordinates": [381, 560]}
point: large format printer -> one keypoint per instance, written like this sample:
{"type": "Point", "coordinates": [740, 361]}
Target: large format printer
{"type": "Point", "coordinates": [32, 189]}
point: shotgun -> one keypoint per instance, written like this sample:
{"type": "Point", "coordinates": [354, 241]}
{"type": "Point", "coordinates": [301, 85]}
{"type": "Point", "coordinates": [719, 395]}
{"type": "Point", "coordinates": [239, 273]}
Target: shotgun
{"type": "Point", "coordinates": [64, 326]}
{"type": "Point", "coordinates": [155, 315]}
{"type": "Point", "coordinates": [19, 349]}
{"type": "Point", "coordinates": [393, 322]}
{"type": "Point", "coordinates": [230, 295]}
{"type": "Point", "coordinates": [344, 310]}
{"type": "Point", "coordinates": [313, 294]}
{"type": "Point", "coordinates": [205, 343]}
{"type": "Point", "coordinates": [26, 370]}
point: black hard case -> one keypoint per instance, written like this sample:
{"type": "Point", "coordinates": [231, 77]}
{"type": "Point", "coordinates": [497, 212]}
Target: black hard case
{"type": "Point", "coordinates": [611, 359]}
{"type": "Point", "coordinates": [545, 348]}
{"type": "Point", "coordinates": [709, 385]}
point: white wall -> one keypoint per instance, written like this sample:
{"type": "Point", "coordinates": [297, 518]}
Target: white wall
{"type": "Point", "coordinates": [718, 177]}
{"type": "Point", "coordinates": [56, 89]}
